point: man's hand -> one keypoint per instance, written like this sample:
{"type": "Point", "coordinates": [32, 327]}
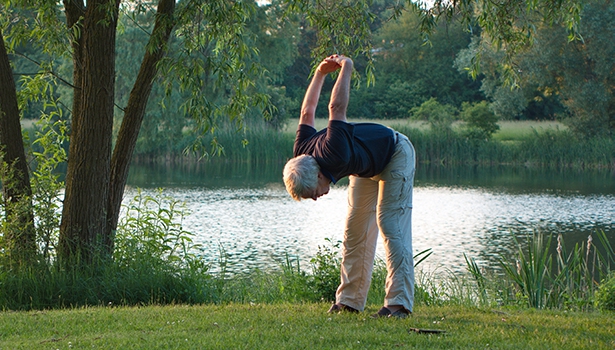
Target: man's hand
{"type": "Point", "coordinates": [341, 60]}
{"type": "Point", "coordinates": [332, 63]}
{"type": "Point", "coordinates": [328, 65]}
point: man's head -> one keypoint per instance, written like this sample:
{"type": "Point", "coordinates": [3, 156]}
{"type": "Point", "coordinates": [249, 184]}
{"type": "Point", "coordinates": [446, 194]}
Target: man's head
{"type": "Point", "coordinates": [303, 178]}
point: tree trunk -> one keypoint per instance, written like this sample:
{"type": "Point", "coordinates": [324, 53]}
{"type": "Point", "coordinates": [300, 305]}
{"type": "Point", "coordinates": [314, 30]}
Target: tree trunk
{"type": "Point", "coordinates": [134, 113]}
{"type": "Point", "coordinates": [75, 10]}
{"type": "Point", "coordinates": [19, 233]}
{"type": "Point", "coordinates": [84, 215]}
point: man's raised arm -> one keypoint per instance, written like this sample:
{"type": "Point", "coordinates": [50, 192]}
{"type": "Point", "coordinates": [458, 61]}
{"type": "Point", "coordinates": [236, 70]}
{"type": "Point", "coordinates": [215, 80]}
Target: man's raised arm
{"type": "Point", "coordinates": [341, 90]}
{"type": "Point", "coordinates": [310, 100]}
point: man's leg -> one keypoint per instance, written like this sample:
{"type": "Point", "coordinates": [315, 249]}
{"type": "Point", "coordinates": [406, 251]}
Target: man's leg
{"type": "Point", "coordinates": [360, 238]}
{"type": "Point", "coordinates": [395, 223]}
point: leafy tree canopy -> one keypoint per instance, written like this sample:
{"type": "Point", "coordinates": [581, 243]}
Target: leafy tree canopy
{"type": "Point", "coordinates": [558, 78]}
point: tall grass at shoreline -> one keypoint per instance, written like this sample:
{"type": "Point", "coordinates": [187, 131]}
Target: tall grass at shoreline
{"type": "Point", "coordinates": [542, 277]}
{"type": "Point", "coordinates": [257, 145]}
{"type": "Point", "coordinates": [530, 144]}
{"type": "Point", "coordinates": [263, 145]}
{"type": "Point", "coordinates": [542, 150]}
{"type": "Point", "coordinates": [549, 147]}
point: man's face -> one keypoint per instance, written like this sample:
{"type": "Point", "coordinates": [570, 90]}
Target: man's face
{"type": "Point", "coordinates": [321, 189]}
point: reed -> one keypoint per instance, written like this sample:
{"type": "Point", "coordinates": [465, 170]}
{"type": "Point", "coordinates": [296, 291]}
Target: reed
{"type": "Point", "coordinates": [543, 277]}
{"type": "Point", "coordinates": [531, 271]}
{"type": "Point", "coordinates": [564, 149]}
{"type": "Point", "coordinates": [256, 145]}
{"type": "Point", "coordinates": [550, 149]}
{"type": "Point", "coordinates": [534, 144]}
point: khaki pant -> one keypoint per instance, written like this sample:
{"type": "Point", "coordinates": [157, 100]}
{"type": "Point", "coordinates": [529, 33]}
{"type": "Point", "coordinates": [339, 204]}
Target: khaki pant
{"type": "Point", "coordinates": [380, 203]}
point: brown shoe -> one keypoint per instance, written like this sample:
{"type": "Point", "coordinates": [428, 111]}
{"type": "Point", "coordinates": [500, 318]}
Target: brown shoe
{"type": "Point", "coordinates": [385, 312]}
{"type": "Point", "coordinates": [342, 308]}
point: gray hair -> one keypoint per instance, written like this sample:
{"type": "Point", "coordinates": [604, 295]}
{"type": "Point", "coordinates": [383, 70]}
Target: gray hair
{"type": "Point", "coordinates": [300, 174]}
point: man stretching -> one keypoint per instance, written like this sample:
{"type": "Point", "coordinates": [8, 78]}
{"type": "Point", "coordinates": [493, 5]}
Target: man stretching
{"type": "Point", "coordinates": [380, 164]}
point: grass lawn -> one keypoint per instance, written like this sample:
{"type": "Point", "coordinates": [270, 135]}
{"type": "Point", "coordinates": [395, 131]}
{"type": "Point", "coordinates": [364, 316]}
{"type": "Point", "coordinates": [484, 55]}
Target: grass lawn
{"type": "Point", "coordinates": [509, 130]}
{"type": "Point", "coordinates": [301, 326]}
{"type": "Point", "coordinates": [515, 130]}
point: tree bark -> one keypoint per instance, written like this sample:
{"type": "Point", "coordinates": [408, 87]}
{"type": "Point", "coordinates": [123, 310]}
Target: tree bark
{"type": "Point", "coordinates": [19, 233]}
{"type": "Point", "coordinates": [75, 10]}
{"type": "Point", "coordinates": [134, 113]}
{"type": "Point", "coordinates": [84, 216]}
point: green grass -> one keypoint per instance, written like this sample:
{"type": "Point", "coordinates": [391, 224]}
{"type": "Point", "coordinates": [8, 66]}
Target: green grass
{"type": "Point", "coordinates": [519, 130]}
{"type": "Point", "coordinates": [509, 130]}
{"type": "Point", "coordinates": [301, 326]}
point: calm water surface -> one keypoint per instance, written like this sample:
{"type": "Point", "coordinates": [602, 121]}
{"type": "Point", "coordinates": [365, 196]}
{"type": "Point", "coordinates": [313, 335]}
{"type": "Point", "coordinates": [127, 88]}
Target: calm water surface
{"type": "Point", "coordinates": [245, 211]}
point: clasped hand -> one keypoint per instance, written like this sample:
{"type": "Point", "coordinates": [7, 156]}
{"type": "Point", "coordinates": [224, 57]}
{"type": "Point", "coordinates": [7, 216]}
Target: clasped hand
{"type": "Point", "coordinates": [333, 63]}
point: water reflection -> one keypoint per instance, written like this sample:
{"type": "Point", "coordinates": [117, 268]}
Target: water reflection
{"type": "Point", "coordinates": [479, 222]}
{"type": "Point", "coordinates": [520, 179]}
{"type": "Point", "coordinates": [245, 211]}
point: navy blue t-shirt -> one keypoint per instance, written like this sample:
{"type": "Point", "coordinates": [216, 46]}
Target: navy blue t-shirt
{"type": "Point", "coordinates": [342, 149]}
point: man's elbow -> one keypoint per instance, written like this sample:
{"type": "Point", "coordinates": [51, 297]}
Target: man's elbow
{"type": "Point", "coordinates": [307, 113]}
{"type": "Point", "coordinates": [337, 111]}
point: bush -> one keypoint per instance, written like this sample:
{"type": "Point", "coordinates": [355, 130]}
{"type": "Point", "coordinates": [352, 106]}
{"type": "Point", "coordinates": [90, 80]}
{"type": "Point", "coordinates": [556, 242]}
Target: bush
{"type": "Point", "coordinates": [326, 271]}
{"type": "Point", "coordinates": [439, 116]}
{"type": "Point", "coordinates": [480, 121]}
{"type": "Point", "coordinates": [605, 295]}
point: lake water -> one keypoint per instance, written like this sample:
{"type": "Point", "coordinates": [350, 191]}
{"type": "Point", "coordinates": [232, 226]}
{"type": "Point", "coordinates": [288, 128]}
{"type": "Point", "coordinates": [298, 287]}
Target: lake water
{"type": "Point", "coordinates": [245, 211]}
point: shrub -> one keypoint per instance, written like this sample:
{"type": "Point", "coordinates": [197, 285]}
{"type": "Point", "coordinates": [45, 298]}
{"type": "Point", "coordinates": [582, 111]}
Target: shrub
{"type": "Point", "coordinates": [439, 116]}
{"type": "Point", "coordinates": [605, 295]}
{"type": "Point", "coordinates": [480, 121]}
{"type": "Point", "coordinates": [326, 271]}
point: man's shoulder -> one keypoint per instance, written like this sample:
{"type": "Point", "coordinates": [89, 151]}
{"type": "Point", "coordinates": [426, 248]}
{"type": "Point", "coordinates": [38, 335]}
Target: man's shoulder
{"type": "Point", "coordinates": [304, 130]}
{"type": "Point", "coordinates": [369, 125]}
